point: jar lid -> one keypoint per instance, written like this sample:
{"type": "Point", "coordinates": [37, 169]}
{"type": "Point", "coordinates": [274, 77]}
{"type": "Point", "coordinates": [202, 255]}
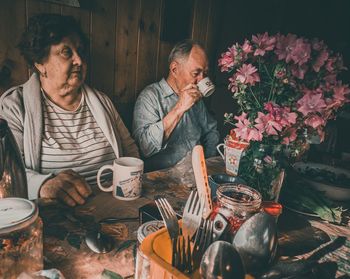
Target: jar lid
{"type": "Point", "coordinates": [15, 211]}
{"type": "Point", "coordinates": [148, 228]}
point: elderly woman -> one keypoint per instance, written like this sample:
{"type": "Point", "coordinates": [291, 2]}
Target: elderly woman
{"type": "Point", "coordinates": [65, 130]}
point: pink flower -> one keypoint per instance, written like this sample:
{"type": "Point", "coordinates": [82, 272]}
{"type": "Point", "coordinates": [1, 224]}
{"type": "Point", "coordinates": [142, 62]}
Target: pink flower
{"type": "Point", "coordinates": [311, 103]}
{"type": "Point", "coordinates": [227, 60]}
{"type": "Point", "coordinates": [267, 123]}
{"type": "Point", "coordinates": [317, 44]}
{"type": "Point", "coordinates": [340, 91]}
{"type": "Point", "coordinates": [268, 159]}
{"type": "Point", "coordinates": [290, 136]}
{"type": "Point", "coordinates": [245, 131]}
{"type": "Point", "coordinates": [233, 86]}
{"type": "Point", "coordinates": [320, 60]}
{"type": "Point", "coordinates": [299, 71]}
{"type": "Point", "coordinates": [284, 45]}
{"type": "Point", "coordinates": [300, 52]}
{"type": "Point", "coordinates": [247, 47]}
{"type": "Point", "coordinates": [247, 74]}
{"type": "Point", "coordinates": [282, 115]}
{"type": "Point", "coordinates": [314, 121]}
{"type": "Point", "coordinates": [264, 43]}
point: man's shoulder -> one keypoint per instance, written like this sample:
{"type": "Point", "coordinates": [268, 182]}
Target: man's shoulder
{"type": "Point", "coordinates": [152, 91]}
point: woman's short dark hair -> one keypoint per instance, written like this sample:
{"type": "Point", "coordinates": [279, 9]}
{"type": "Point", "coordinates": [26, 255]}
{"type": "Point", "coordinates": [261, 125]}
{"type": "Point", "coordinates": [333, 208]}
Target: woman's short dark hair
{"type": "Point", "coordinates": [182, 49]}
{"type": "Point", "coordinates": [45, 30]}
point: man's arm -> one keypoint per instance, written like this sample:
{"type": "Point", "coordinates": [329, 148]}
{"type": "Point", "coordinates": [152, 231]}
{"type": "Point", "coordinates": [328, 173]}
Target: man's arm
{"type": "Point", "coordinates": [188, 96]}
{"type": "Point", "coordinates": [150, 131]}
{"type": "Point", "coordinates": [210, 136]}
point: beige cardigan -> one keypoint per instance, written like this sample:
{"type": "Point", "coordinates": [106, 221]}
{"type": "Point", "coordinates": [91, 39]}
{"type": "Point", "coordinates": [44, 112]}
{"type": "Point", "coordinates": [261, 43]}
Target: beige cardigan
{"type": "Point", "coordinates": [21, 107]}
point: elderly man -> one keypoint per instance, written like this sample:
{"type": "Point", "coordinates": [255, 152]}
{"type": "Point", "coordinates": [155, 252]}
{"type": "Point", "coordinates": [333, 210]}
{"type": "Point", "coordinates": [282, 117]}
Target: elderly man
{"type": "Point", "coordinates": [169, 116]}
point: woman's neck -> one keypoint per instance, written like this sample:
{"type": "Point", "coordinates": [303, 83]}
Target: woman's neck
{"type": "Point", "coordinates": [63, 97]}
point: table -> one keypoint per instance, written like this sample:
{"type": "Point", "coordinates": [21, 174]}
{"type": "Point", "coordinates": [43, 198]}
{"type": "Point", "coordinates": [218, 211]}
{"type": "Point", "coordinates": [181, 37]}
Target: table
{"type": "Point", "coordinates": [64, 228]}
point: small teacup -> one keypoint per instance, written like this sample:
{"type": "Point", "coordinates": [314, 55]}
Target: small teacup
{"type": "Point", "coordinates": [206, 87]}
{"type": "Point", "coordinates": [127, 178]}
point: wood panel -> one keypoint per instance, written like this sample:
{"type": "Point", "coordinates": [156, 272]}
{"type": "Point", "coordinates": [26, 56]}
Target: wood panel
{"type": "Point", "coordinates": [84, 18]}
{"type": "Point", "coordinates": [128, 13]}
{"type": "Point", "coordinates": [149, 31]}
{"type": "Point", "coordinates": [163, 54]}
{"type": "Point", "coordinates": [12, 65]}
{"type": "Point", "coordinates": [200, 20]}
{"type": "Point", "coordinates": [36, 7]}
{"type": "Point", "coordinates": [103, 46]}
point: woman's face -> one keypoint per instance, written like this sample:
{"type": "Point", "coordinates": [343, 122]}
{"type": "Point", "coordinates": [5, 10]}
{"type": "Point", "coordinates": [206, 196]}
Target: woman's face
{"type": "Point", "coordinates": [65, 66]}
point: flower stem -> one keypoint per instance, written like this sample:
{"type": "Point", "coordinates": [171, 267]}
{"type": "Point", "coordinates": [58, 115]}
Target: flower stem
{"type": "Point", "coordinates": [256, 100]}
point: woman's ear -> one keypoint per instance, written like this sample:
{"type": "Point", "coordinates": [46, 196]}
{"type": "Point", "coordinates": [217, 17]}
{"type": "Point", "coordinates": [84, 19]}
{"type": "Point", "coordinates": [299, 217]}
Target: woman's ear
{"type": "Point", "coordinates": [41, 69]}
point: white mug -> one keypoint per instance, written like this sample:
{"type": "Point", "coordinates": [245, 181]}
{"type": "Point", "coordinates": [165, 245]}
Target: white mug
{"type": "Point", "coordinates": [231, 156]}
{"type": "Point", "coordinates": [206, 87]}
{"type": "Point", "coordinates": [127, 178]}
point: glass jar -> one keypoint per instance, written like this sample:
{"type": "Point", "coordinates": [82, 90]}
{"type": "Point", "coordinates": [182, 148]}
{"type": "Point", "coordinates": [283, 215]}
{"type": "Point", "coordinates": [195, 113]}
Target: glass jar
{"type": "Point", "coordinates": [142, 266]}
{"type": "Point", "coordinates": [21, 239]}
{"type": "Point", "coordinates": [237, 203]}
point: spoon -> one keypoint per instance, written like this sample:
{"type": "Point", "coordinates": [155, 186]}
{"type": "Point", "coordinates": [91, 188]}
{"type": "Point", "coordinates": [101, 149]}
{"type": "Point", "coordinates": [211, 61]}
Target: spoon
{"type": "Point", "coordinates": [221, 260]}
{"type": "Point", "coordinates": [256, 241]}
{"type": "Point", "coordinates": [99, 242]}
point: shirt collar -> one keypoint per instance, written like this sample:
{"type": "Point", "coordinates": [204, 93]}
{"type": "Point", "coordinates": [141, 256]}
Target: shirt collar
{"type": "Point", "coordinates": [167, 90]}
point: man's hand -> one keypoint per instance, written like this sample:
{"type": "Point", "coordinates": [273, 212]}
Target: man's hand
{"type": "Point", "coordinates": [188, 96]}
{"type": "Point", "coordinates": [67, 186]}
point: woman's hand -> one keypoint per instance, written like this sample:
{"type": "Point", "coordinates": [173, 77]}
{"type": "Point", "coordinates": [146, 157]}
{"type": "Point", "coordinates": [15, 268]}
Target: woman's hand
{"type": "Point", "coordinates": [67, 186]}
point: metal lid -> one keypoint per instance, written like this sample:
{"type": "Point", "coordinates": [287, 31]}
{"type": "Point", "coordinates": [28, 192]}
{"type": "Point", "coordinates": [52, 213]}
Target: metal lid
{"type": "Point", "coordinates": [15, 211]}
{"type": "Point", "coordinates": [148, 228]}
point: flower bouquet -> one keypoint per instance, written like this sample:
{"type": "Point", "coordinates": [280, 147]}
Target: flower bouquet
{"type": "Point", "coordinates": [287, 90]}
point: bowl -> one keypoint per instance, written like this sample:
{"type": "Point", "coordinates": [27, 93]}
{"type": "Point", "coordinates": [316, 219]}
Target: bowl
{"type": "Point", "coordinates": [333, 181]}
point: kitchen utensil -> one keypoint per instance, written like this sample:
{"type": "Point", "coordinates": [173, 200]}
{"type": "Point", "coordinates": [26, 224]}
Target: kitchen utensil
{"type": "Point", "coordinates": [203, 239]}
{"type": "Point", "coordinates": [99, 242]}
{"type": "Point", "coordinates": [200, 173]}
{"type": "Point", "coordinates": [256, 241]}
{"type": "Point", "coordinates": [221, 260]}
{"type": "Point", "coordinates": [169, 217]}
{"type": "Point", "coordinates": [13, 180]}
{"type": "Point", "coordinates": [192, 215]}
{"type": "Point", "coordinates": [296, 268]}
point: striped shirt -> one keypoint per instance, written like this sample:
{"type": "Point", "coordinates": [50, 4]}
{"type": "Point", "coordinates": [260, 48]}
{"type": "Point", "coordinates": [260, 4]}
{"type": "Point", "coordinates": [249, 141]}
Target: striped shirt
{"type": "Point", "coordinates": [73, 140]}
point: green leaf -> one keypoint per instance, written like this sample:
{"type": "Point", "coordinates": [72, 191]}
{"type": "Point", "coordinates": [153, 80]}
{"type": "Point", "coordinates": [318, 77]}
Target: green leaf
{"type": "Point", "coordinates": [107, 274]}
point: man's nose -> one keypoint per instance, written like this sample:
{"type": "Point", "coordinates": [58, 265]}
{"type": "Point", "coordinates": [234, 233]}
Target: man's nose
{"type": "Point", "coordinates": [77, 60]}
{"type": "Point", "coordinates": [201, 76]}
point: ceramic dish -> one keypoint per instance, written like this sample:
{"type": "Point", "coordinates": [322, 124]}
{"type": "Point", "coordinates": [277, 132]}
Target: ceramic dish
{"type": "Point", "coordinates": [333, 181]}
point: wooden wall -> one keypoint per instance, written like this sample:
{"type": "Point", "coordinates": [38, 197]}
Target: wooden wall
{"type": "Point", "coordinates": [126, 51]}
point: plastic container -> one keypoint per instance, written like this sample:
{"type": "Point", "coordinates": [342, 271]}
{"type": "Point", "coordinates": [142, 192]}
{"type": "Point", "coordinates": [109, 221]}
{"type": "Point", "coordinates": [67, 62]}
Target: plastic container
{"type": "Point", "coordinates": [21, 237]}
{"type": "Point", "coordinates": [142, 263]}
{"type": "Point", "coordinates": [237, 202]}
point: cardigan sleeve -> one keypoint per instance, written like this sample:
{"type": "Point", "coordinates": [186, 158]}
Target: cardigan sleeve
{"type": "Point", "coordinates": [12, 110]}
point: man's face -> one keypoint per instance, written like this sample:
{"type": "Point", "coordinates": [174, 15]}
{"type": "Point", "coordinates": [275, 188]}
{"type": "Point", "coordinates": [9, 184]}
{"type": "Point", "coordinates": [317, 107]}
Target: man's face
{"type": "Point", "coordinates": [193, 69]}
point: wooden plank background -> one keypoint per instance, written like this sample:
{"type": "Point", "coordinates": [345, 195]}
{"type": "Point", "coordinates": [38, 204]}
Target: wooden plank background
{"type": "Point", "coordinates": [126, 52]}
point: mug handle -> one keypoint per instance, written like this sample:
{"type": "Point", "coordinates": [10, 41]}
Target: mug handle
{"type": "Point", "coordinates": [100, 171]}
{"type": "Point", "coordinates": [218, 149]}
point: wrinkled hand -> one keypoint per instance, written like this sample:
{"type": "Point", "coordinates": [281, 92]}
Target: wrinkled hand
{"type": "Point", "coordinates": [67, 186]}
{"type": "Point", "coordinates": [188, 96]}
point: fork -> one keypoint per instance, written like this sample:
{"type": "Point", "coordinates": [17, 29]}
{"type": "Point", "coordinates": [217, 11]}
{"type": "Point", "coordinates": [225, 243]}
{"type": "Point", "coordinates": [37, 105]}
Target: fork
{"type": "Point", "coordinates": [192, 215]}
{"type": "Point", "coordinates": [202, 240]}
{"type": "Point", "coordinates": [169, 216]}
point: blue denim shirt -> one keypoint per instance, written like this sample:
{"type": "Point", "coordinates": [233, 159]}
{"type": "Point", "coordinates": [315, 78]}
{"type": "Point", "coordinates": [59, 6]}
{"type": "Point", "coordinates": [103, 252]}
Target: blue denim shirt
{"type": "Point", "coordinates": [196, 126]}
